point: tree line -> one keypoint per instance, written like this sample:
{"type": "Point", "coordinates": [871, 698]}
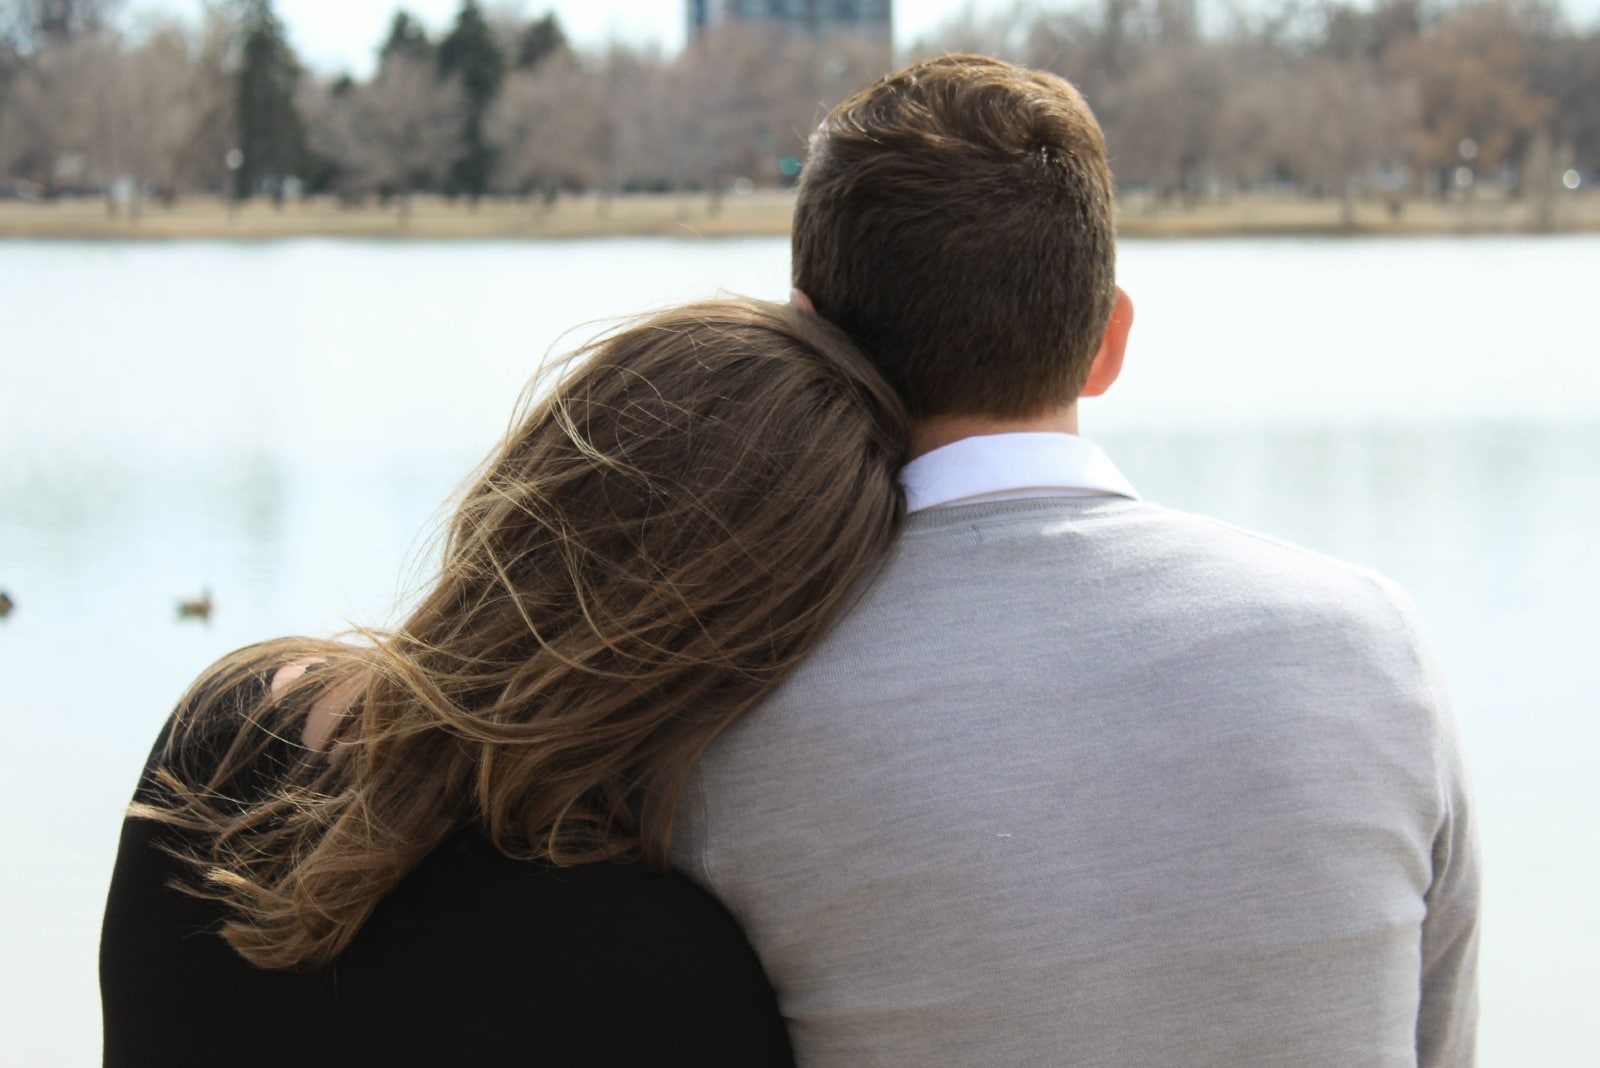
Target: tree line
{"type": "Point", "coordinates": [1330, 98]}
{"type": "Point", "coordinates": [1323, 97]}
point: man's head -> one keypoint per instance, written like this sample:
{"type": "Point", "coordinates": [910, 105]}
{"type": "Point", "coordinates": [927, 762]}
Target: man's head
{"type": "Point", "coordinates": [956, 219]}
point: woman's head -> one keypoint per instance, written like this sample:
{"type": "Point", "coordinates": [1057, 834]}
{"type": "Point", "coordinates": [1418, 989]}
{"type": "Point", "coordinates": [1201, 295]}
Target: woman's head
{"type": "Point", "coordinates": [662, 536]}
{"type": "Point", "coordinates": [668, 530]}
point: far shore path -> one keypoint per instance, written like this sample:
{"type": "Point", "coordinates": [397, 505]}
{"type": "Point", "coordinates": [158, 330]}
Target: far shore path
{"type": "Point", "coordinates": [759, 214]}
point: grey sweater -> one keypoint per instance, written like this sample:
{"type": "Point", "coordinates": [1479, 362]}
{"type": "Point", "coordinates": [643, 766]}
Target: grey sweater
{"type": "Point", "coordinates": [1091, 782]}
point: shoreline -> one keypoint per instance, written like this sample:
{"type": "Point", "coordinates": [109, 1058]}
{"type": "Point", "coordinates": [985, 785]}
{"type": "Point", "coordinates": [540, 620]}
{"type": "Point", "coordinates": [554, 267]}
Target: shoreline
{"type": "Point", "coordinates": [760, 214]}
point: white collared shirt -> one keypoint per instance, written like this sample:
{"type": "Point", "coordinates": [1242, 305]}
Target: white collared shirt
{"type": "Point", "coordinates": [1011, 467]}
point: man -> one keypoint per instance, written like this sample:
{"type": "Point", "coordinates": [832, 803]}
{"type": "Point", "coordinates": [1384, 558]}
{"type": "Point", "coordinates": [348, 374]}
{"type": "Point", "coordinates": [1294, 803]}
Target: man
{"type": "Point", "coordinates": [1079, 780]}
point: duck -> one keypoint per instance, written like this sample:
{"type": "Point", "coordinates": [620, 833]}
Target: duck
{"type": "Point", "coordinates": [196, 607]}
{"type": "Point", "coordinates": [6, 604]}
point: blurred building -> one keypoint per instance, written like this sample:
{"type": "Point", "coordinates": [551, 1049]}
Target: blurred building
{"type": "Point", "coordinates": [872, 18]}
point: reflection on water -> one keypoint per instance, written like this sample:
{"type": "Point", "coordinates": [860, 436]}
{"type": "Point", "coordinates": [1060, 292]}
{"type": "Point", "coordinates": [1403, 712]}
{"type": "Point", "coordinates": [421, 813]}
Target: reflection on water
{"type": "Point", "coordinates": [299, 476]}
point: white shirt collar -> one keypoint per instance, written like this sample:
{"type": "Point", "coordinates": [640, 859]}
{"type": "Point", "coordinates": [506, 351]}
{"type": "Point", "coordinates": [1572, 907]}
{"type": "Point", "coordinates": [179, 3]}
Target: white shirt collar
{"type": "Point", "coordinates": [1009, 467]}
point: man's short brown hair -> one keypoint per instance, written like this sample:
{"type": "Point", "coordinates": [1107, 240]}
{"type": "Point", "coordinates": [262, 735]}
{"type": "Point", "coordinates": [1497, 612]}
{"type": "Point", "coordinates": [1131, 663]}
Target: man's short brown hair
{"type": "Point", "coordinates": [957, 220]}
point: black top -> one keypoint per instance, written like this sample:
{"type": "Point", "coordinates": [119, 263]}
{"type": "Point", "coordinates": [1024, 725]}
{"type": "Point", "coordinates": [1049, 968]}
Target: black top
{"type": "Point", "coordinates": [473, 959]}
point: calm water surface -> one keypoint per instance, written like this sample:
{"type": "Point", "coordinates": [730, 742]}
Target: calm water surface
{"type": "Point", "coordinates": [280, 422]}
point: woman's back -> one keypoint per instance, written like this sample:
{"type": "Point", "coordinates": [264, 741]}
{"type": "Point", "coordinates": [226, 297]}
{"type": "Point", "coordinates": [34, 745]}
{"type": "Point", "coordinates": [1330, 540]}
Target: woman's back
{"type": "Point", "coordinates": [473, 958]}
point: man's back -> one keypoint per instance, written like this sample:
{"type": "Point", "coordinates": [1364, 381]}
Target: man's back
{"type": "Point", "coordinates": [1088, 782]}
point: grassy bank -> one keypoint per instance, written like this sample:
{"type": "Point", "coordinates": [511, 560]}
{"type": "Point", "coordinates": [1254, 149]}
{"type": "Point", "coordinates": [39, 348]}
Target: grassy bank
{"type": "Point", "coordinates": [757, 214]}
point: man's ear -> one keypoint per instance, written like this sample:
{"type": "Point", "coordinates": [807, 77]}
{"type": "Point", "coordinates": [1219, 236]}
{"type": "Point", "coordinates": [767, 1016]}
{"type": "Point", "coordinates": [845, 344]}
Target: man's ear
{"type": "Point", "coordinates": [801, 301]}
{"type": "Point", "coordinates": [1113, 346]}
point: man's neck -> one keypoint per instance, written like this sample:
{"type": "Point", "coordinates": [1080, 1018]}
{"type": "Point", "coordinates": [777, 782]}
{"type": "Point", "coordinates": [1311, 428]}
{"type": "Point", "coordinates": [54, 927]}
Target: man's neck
{"type": "Point", "coordinates": [937, 431]}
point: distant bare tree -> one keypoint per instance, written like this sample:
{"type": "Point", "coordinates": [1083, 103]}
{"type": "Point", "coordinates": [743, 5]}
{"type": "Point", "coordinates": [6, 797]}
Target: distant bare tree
{"type": "Point", "coordinates": [1348, 123]}
{"type": "Point", "coordinates": [1542, 168]}
{"type": "Point", "coordinates": [1566, 71]}
{"type": "Point", "coordinates": [1328, 125]}
{"type": "Point", "coordinates": [731, 83]}
{"type": "Point", "coordinates": [546, 126]}
{"type": "Point", "coordinates": [745, 97]}
{"type": "Point", "coordinates": [162, 101]}
{"type": "Point", "coordinates": [94, 111]}
{"type": "Point", "coordinates": [198, 161]}
{"type": "Point", "coordinates": [1469, 75]}
{"type": "Point", "coordinates": [629, 100]}
{"type": "Point", "coordinates": [1168, 114]}
{"type": "Point", "coordinates": [51, 115]}
{"type": "Point", "coordinates": [394, 135]}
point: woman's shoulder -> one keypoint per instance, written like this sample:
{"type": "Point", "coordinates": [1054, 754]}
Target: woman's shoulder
{"type": "Point", "coordinates": [199, 730]}
{"type": "Point", "coordinates": [233, 701]}
{"type": "Point", "coordinates": [624, 909]}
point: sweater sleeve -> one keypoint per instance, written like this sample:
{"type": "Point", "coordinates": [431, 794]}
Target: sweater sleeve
{"type": "Point", "coordinates": [1447, 1015]}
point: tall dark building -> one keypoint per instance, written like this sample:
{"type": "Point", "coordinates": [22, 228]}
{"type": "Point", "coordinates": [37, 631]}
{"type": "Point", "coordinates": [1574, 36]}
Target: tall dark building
{"type": "Point", "coordinates": [873, 18]}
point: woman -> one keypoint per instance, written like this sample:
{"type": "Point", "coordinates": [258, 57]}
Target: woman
{"type": "Point", "coordinates": [448, 843]}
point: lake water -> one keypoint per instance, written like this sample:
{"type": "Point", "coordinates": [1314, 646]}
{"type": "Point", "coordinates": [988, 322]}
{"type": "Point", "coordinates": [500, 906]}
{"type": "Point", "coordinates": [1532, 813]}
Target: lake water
{"type": "Point", "coordinates": [278, 423]}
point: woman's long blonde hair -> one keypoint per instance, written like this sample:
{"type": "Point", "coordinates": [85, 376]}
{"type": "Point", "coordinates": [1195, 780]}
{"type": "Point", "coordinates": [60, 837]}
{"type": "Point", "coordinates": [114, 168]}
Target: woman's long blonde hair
{"type": "Point", "coordinates": [648, 553]}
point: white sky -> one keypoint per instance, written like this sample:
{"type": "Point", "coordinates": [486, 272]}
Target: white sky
{"type": "Point", "coordinates": [343, 35]}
